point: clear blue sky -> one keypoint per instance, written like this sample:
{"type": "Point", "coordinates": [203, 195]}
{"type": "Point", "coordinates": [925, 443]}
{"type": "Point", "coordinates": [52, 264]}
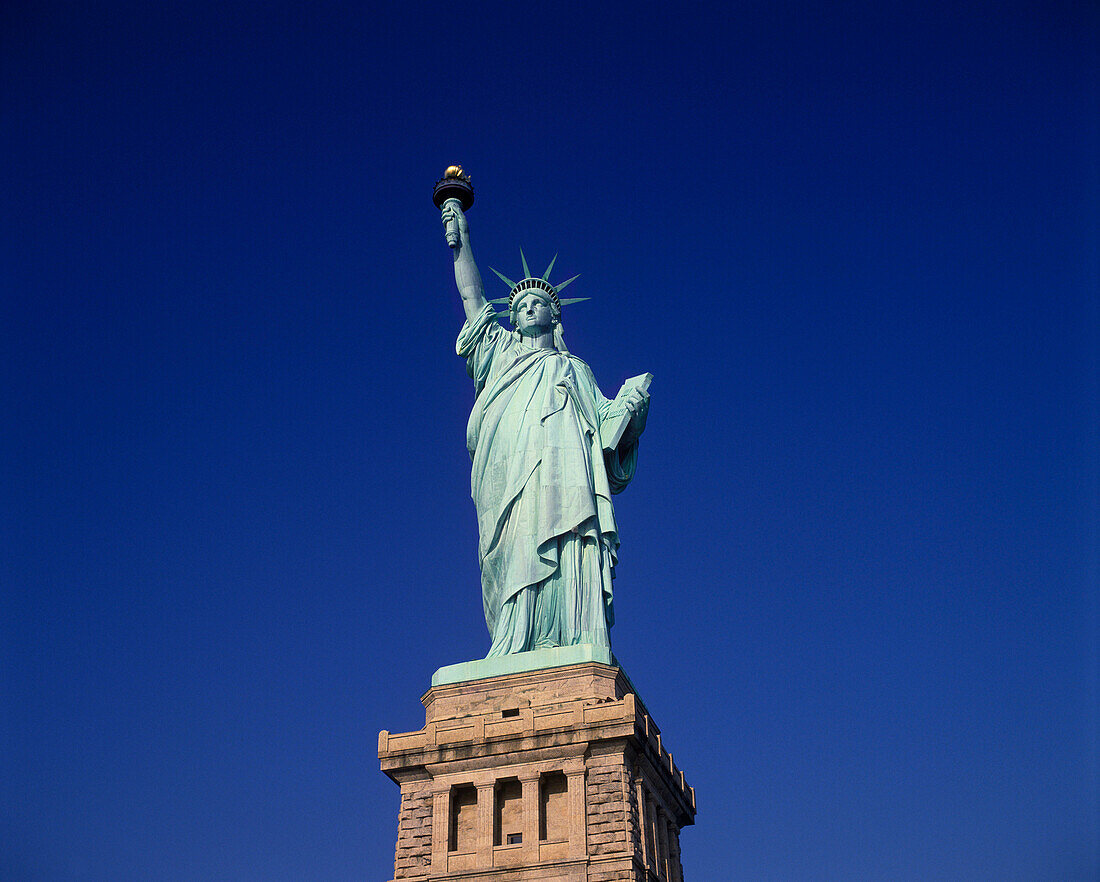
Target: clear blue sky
{"type": "Point", "coordinates": [856, 244]}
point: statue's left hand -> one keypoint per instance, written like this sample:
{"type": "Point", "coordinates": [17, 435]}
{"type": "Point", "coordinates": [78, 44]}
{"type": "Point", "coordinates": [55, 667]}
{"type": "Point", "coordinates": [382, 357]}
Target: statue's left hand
{"type": "Point", "coordinates": [637, 403]}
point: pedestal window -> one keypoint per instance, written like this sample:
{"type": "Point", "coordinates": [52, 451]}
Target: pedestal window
{"type": "Point", "coordinates": [462, 835]}
{"type": "Point", "coordinates": [508, 813]}
{"type": "Point", "coordinates": [553, 807]}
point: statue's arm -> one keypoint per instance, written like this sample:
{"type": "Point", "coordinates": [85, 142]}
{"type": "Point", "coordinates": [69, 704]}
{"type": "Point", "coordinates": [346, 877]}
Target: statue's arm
{"type": "Point", "coordinates": [467, 277]}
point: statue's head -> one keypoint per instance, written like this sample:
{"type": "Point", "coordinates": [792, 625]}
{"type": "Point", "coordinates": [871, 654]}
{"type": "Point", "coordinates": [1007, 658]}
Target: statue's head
{"type": "Point", "coordinates": [531, 291]}
{"type": "Point", "coordinates": [540, 287]}
{"type": "Point", "coordinates": [534, 290]}
{"type": "Point", "coordinates": [535, 312]}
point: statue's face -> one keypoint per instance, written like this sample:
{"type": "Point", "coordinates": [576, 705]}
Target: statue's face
{"type": "Point", "coordinates": [534, 315]}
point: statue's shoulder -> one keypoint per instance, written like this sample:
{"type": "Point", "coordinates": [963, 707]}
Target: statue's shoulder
{"type": "Point", "coordinates": [484, 326]}
{"type": "Point", "coordinates": [581, 369]}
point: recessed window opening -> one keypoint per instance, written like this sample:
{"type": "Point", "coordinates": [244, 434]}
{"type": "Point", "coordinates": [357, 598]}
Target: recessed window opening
{"type": "Point", "coordinates": [553, 807]}
{"type": "Point", "coordinates": [510, 712]}
{"type": "Point", "coordinates": [507, 812]}
{"type": "Point", "coordinates": [462, 832]}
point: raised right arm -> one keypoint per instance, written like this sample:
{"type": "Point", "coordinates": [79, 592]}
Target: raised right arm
{"type": "Point", "coordinates": [467, 277]}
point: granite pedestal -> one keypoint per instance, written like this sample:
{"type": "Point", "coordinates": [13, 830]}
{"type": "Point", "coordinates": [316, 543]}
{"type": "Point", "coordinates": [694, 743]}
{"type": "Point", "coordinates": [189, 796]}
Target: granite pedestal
{"type": "Point", "coordinates": [550, 773]}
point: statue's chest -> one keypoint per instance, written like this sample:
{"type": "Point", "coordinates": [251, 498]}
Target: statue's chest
{"type": "Point", "coordinates": [536, 368]}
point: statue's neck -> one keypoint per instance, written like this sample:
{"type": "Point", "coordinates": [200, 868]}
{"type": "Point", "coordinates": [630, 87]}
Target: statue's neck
{"type": "Point", "coordinates": [542, 341]}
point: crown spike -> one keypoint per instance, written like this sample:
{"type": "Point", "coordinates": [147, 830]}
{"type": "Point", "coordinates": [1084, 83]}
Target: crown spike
{"type": "Point", "coordinates": [523, 260]}
{"type": "Point", "coordinates": [504, 278]}
{"type": "Point", "coordinates": [546, 275]}
{"type": "Point", "coordinates": [559, 288]}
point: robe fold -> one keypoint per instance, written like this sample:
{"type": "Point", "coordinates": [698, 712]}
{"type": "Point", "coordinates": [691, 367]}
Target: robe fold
{"type": "Point", "coordinates": [542, 485]}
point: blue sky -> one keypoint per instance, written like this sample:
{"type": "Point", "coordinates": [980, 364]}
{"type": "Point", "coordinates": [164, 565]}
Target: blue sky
{"type": "Point", "coordinates": [856, 246]}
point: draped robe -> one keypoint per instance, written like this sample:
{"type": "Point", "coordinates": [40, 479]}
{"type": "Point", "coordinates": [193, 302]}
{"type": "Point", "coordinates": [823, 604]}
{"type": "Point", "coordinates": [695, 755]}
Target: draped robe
{"type": "Point", "coordinates": [542, 485]}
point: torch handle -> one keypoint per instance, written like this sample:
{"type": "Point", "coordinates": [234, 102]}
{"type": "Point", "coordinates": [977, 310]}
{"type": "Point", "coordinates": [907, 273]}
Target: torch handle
{"type": "Point", "coordinates": [452, 225]}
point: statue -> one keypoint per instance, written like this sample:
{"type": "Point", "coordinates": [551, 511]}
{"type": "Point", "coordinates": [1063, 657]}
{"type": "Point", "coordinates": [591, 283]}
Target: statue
{"type": "Point", "coordinates": [548, 450]}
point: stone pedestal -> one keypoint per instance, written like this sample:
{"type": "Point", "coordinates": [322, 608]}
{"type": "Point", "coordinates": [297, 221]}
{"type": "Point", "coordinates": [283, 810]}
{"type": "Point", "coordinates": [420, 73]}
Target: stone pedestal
{"type": "Point", "coordinates": [551, 774]}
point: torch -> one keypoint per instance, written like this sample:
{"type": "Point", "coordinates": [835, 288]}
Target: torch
{"type": "Point", "coordinates": [455, 184]}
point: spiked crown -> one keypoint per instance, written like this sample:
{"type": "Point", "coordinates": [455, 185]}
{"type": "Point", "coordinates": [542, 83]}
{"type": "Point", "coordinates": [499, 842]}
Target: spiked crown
{"type": "Point", "coordinates": [533, 283]}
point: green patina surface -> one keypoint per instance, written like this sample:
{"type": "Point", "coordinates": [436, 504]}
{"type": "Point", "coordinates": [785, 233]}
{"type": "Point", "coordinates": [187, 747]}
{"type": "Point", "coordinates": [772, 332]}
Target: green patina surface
{"type": "Point", "coordinates": [517, 662]}
{"type": "Point", "coordinates": [548, 450]}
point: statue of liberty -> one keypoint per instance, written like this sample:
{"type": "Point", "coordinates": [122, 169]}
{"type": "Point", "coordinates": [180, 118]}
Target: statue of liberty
{"type": "Point", "coordinates": [548, 450]}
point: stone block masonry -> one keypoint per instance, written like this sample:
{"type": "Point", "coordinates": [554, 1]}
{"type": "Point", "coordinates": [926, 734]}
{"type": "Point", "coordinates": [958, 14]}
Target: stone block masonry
{"type": "Point", "coordinates": [552, 774]}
